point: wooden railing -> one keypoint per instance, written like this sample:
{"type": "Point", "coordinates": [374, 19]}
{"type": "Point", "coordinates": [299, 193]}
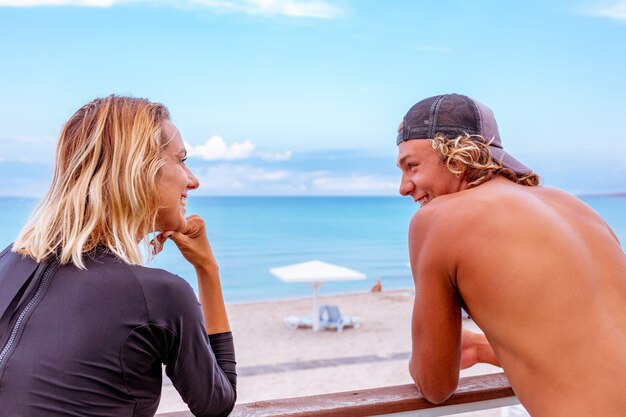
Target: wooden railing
{"type": "Point", "coordinates": [473, 393]}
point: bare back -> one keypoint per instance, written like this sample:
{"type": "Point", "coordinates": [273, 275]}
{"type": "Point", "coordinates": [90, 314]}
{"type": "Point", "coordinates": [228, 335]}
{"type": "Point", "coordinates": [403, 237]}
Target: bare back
{"type": "Point", "coordinates": [543, 276]}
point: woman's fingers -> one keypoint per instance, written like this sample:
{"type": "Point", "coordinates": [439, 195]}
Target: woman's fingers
{"type": "Point", "coordinates": [193, 242]}
{"type": "Point", "coordinates": [158, 242]}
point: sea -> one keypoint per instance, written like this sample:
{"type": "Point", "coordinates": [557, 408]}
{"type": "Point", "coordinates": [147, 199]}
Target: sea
{"type": "Point", "coordinates": [251, 235]}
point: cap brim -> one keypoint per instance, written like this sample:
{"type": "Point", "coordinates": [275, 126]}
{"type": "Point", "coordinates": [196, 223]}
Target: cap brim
{"type": "Point", "coordinates": [507, 161]}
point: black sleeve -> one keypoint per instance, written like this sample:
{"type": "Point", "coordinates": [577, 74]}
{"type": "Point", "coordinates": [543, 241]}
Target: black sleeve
{"type": "Point", "coordinates": [205, 376]}
{"type": "Point", "coordinates": [223, 347]}
{"type": "Point", "coordinates": [202, 369]}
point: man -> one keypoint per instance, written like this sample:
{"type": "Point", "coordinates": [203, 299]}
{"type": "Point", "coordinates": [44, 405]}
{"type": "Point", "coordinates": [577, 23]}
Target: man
{"type": "Point", "coordinates": [538, 270]}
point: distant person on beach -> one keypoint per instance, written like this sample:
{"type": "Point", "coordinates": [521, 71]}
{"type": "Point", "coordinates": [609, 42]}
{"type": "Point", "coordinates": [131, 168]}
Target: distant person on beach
{"type": "Point", "coordinates": [84, 328]}
{"type": "Point", "coordinates": [538, 270]}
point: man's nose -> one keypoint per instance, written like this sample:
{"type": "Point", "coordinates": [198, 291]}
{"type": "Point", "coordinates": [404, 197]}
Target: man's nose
{"type": "Point", "coordinates": [406, 186]}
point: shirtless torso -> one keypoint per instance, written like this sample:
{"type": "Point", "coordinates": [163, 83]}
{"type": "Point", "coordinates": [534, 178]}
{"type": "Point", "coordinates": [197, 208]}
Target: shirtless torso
{"type": "Point", "coordinates": [540, 273]}
{"type": "Point", "coordinates": [543, 276]}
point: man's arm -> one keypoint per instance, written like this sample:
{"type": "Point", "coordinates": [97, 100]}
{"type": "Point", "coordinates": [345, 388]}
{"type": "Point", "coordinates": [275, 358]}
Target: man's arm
{"type": "Point", "coordinates": [436, 320]}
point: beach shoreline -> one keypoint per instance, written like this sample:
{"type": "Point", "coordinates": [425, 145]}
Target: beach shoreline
{"type": "Point", "coordinates": [276, 362]}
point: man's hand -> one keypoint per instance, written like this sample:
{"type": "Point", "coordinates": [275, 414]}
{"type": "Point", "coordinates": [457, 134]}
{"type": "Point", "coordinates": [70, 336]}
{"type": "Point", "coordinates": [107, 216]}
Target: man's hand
{"type": "Point", "coordinates": [475, 348]}
{"type": "Point", "coordinates": [469, 351]}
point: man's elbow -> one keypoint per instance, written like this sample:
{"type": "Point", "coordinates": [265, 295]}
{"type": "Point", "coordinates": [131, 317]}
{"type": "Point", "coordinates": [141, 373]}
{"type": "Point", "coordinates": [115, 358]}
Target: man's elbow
{"type": "Point", "coordinates": [436, 389]}
{"type": "Point", "coordinates": [433, 394]}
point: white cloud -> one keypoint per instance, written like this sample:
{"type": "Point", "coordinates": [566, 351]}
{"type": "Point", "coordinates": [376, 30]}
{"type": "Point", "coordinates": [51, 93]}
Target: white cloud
{"type": "Point", "coordinates": [614, 10]}
{"type": "Point", "coordinates": [276, 156]}
{"type": "Point", "coordinates": [216, 148]}
{"type": "Point", "coordinates": [79, 3]}
{"type": "Point", "coordinates": [247, 179]}
{"type": "Point", "coordinates": [20, 149]}
{"type": "Point", "coordinates": [241, 179]}
{"type": "Point", "coordinates": [294, 8]}
{"type": "Point", "coordinates": [354, 183]}
{"type": "Point", "coordinates": [262, 175]}
{"type": "Point", "coordinates": [321, 9]}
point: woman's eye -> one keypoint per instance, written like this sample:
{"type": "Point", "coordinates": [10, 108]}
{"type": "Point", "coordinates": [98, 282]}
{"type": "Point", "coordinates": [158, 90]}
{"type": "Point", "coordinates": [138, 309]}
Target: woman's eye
{"type": "Point", "coordinates": [183, 160]}
{"type": "Point", "coordinates": [412, 165]}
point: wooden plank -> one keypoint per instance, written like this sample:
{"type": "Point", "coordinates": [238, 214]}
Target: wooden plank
{"type": "Point", "coordinates": [447, 410]}
{"type": "Point", "coordinates": [371, 402]}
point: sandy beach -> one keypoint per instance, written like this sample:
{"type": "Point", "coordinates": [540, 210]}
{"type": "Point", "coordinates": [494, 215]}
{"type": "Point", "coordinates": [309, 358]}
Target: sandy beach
{"type": "Point", "coordinates": [276, 362]}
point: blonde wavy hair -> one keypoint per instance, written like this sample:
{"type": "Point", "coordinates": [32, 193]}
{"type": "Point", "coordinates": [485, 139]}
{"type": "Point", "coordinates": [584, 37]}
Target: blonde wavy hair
{"type": "Point", "coordinates": [104, 189]}
{"type": "Point", "coordinates": [469, 156]}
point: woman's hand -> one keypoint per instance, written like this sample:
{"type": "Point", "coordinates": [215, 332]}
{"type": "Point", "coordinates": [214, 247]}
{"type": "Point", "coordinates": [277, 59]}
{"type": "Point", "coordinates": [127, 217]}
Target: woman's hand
{"type": "Point", "coordinates": [192, 242]}
{"type": "Point", "coordinates": [194, 246]}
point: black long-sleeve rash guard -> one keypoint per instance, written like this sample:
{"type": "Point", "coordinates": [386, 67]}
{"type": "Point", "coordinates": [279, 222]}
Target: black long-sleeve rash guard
{"type": "Point", "coordinates": [91, 342]}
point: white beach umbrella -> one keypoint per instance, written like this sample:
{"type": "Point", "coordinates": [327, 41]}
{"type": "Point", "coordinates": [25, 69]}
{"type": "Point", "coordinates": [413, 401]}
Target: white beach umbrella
{"type": "Point", "coordinates": [315, 273]}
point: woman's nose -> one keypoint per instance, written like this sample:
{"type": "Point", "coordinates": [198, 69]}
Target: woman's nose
{"type": "Point", "coordinates": [193, 181]}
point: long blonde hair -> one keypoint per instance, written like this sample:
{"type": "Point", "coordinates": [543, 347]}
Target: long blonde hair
{"type": "Point", "coordinates": [104, 190]}
{"type": "Point", "coordinates": [469, 157]}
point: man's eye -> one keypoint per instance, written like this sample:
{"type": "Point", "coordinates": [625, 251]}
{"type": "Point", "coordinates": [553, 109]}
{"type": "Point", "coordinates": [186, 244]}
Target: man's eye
{"type": "Point", "coordinates": [411, 165]}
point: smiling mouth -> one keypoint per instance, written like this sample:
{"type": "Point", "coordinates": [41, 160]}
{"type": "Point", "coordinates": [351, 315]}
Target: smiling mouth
{"type": "Point", "coordinates": [183, 200]}
{"type": "Point", "coordinates": [423, 200]}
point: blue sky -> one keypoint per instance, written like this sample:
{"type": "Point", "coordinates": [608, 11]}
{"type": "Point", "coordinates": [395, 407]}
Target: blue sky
{"type": "Point", "coordinates": [295, 97]}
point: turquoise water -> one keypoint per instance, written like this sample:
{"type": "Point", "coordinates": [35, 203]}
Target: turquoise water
{"type": "Point", "coordinates": [250, 235]}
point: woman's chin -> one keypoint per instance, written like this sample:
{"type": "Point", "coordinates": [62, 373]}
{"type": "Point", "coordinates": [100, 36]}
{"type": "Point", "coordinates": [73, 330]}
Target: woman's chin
{"type": "Point", "coordinates": [175, 226]}
{"type": "Point", "coordinates": [182, 226]}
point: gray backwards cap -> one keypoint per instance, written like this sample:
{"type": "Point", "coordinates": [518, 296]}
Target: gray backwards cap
{"type": "Point", "coordinates": [453, 115]}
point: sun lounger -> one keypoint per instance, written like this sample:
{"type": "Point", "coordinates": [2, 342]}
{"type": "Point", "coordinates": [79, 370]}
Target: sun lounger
{"type": "Point", "coordinates": [293, 322]}
{"type": "Point", "coordinates": [331, 318]}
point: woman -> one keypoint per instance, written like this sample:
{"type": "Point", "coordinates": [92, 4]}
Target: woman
{"type": "Point", "coordinates": [84, 328]}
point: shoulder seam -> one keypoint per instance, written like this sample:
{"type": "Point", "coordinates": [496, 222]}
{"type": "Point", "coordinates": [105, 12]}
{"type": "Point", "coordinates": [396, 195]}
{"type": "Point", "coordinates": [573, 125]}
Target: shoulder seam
{"type": "Point", "coordinates": [122, 367]}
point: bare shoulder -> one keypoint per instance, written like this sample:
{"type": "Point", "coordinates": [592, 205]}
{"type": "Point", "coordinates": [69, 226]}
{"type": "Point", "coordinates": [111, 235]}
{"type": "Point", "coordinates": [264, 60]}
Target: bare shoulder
{"type": "Point", "coordinates": [501, 208]}
{"type": "Point", "coordinates": [435, 232]}
{"type": "Point", "coordinates": [497, 207]}
{"type": "Point", "coordinates": [555, 205]}
{"type": "Point", "coordinates": [448, 214]}
{"type": "Point", "coordinates": [572, 207]}
{"type": "Point", "coordinates": [428, 221]}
